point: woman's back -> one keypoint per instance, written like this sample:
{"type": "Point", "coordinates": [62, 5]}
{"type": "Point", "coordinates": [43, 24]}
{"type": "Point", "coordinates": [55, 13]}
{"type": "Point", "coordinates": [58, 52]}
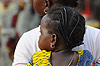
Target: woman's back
{"type": "Point", "coordinates": [65, 58]}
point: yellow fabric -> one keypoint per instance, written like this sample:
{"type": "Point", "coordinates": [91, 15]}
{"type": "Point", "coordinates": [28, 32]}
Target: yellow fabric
{"type": "Point", "coordinates": [28, 64]}
{"type": "Point", "coordinates": [80, 54]}
{"type": "Point", "coordinates": [41, 58]}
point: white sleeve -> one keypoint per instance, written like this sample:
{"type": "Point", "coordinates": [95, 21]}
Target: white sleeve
{"type": "Point", "coordinates": [91, 42]}
{"type": "Point", "coordinates": [97, 48]}
{"type": "Point", "coordinates": [25, 48]}
{"type": "Point", "coordinates": [21, 55]}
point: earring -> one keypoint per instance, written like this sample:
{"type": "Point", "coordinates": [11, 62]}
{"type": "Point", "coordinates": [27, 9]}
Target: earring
{"type": "Point", "coordinates": [45, 11]}
{"type": "Point", "coordinates": [52, 45]}
{"type": "Point", "coordinates": [46, 1]}
{"type": "Point", "coordinates": [46, 5]}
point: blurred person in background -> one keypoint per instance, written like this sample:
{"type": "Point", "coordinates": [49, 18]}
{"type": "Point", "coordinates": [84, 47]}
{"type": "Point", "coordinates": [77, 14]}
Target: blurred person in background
{"type": "Point", "coordinates": [24, 16]}
{"type": "Point", "coordinates": [96, 10]}
{"type": "Point", "coordinates": [12, 41]}
{"type": "Point", "coordinates": [86, 12]}
{"type": "Point", "coordinates": [86, 8]}
{"type": "Point", "coordinates": [7, 10]}
{"type": "Point", "coordinates": [0, 45]}
{"type": "Point", "coordinates": [6, 13]}
{"type": "Point", "coordinates": [28, 43]}
{"type": "Point", "coordinates": [28, 19]}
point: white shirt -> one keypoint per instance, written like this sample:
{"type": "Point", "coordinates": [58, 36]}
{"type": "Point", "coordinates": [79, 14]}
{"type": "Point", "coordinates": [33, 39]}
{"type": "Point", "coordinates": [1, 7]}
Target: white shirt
{"type": "Point", "coordinates": [28, 45]}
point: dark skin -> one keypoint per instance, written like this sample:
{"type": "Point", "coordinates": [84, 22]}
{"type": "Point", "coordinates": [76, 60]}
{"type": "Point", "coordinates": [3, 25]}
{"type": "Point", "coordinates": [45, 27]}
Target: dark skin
{"type": "Point", "coordinates": [63, 58]}
{"type": "Point", "coordinates": [39, 6]}
{"type": "Point", "coordinates": [60, 54]}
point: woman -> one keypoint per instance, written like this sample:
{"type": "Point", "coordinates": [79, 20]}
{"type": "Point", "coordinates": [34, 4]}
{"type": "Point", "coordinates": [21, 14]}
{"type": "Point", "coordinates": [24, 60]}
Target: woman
{"type": "Point", "coordinates": [29, 40]}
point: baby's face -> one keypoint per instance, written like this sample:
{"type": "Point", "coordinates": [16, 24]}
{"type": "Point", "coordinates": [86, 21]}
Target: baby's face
{"type": "Point", "coordinates": [45, 37]}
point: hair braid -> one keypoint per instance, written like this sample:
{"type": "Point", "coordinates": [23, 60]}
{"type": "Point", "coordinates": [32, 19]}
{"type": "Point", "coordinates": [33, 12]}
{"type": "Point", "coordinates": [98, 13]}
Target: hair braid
{"type": "Point", "coordinates": [68, 23]}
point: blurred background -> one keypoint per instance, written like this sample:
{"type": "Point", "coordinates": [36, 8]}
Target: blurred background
{"type": "Point", "coordinates": [18, 16]}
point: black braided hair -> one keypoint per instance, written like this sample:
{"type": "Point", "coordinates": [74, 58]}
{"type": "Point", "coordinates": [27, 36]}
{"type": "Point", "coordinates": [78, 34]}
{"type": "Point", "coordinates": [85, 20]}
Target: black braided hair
{"type": "Point", "coordinates": [68, 23]}
{"type": "Point", "coordinates": [70, 3]}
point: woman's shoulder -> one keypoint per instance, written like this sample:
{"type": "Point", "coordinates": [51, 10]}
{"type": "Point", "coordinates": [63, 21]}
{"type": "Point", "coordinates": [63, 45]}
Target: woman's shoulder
{"type": "Point", "coordinates": [85, 55]}
{"type": "Point", "coordinates": [85, 58]}
{"type": "Point", "coordinates": [84, 52]}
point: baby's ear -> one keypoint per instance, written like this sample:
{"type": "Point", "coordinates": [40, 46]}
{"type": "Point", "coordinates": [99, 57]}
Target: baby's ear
{"type": "Point", "coordinates": [54, 38]}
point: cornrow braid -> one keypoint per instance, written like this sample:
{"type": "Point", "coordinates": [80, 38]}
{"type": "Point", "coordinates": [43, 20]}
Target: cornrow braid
{"type": "Point", "coordinates": [63, 26]}
{"type": "Point", "coordinates": [68, 23]}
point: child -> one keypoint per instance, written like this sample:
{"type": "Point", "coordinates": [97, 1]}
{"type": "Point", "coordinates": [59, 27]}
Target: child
{"type": "Point", "coordinates": [62, 29]}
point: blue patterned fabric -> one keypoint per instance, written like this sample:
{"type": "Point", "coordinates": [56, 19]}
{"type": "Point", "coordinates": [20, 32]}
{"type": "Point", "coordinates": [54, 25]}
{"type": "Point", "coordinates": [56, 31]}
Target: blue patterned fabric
{"type": "Point", "coordinates": [86, 59]}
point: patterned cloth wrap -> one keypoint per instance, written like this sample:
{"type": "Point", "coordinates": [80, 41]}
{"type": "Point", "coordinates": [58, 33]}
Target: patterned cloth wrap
{"type": "Point", "coordinates": [42, 58]}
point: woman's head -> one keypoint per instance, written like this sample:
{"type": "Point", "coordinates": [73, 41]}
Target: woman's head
{"type": "Point", "coordinates": [62, 25]}
{"type": "Point", "coordinates": [44, 5]}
